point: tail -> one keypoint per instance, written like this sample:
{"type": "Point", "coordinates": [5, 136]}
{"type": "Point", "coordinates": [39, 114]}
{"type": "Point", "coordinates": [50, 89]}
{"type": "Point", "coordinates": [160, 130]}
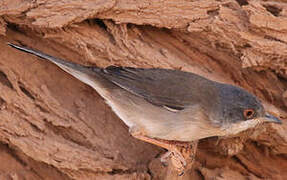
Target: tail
{"type": "Point", "coordinates": [59, 62]}
{"type": "Point", "coordinates": [84, 74]}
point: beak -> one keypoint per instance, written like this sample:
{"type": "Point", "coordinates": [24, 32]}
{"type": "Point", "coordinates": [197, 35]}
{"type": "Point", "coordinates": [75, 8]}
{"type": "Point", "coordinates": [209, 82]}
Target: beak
{"type": "Point", "coordinates": [272, 119]}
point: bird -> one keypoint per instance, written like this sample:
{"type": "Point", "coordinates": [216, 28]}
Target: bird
{"type": "Point", "coordinates": [163, 106]}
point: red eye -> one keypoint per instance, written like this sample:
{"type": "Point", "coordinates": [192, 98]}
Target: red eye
{"type": "Point", "coordinates": [249, 113]}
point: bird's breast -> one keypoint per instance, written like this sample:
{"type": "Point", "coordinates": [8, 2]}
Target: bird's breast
{"type": "Point", "coordinates": [235, 128]}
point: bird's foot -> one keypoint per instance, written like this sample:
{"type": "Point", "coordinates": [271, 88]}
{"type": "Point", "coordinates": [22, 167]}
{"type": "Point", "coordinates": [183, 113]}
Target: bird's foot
{"type": "Point", "coordinates": [181, 154]}
{"type": "Point", "coordinates": [165, 157]}
{"type": "Point", "coordinates": [177, 160]}
{"type": "Point", "coordinates": [178, 152]}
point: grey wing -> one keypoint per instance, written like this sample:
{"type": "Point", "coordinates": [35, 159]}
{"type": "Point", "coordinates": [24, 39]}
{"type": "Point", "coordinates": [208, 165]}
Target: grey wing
{"type": "Point", "coordinates": [162, 87]}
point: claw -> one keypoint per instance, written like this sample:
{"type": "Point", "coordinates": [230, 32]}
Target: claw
{"type": "Point", "coordinates": [164, 158]}
{"type": "Point", "coordinates": [176, 158]}
{"type": "Point", "coordinates": [181, 173]}
{"type": "Point", "coordinates": [179, 158]}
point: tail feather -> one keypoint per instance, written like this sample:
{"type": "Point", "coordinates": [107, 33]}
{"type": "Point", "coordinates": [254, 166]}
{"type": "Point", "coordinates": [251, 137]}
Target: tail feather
{"type": "Point", "coordinates": [83, 73]}
{"type": "Point", "coordinates": [57, 61]}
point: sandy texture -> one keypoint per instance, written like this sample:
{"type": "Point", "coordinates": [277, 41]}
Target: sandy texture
{"type": "Point", "coordinates": [54, 127]}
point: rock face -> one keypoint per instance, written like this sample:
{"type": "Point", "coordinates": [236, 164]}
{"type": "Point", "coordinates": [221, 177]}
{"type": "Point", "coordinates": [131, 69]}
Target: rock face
{"type": "Point", "coordinates": [54, 127]}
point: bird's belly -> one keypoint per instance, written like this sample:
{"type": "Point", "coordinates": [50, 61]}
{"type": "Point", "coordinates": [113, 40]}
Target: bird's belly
{"type": "Point", "coordinates": [157, 122]}
{"type": "Point", "coordinates": [137, 113]}
{"type": "Point", "coordinates": [185, 133]}
{"type": "Point", "coordinates": [132, 110]}
{"type": "Point", "coordinates": [166, 129]}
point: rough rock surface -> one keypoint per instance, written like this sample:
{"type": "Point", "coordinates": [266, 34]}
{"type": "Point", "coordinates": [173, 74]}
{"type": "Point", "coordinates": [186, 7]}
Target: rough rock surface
{"type": "Point", "coordinates": [54, 127]}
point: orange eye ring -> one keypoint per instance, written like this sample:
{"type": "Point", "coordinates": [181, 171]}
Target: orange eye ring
{"type": "Point", "coordinates": [249, 113]}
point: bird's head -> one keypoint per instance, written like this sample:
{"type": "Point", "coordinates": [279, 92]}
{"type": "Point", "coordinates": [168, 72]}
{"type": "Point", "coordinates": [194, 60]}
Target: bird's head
{"type": "Point", "coordinates": [238, 110]}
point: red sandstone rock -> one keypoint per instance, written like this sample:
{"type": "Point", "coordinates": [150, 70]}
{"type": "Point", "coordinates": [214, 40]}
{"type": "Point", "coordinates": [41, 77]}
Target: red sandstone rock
{"type": "Point", "coordinates": [54, 127]}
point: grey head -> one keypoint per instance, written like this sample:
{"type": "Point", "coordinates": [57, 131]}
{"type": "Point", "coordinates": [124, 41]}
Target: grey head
{"type": "Point", "coordinates": [237, 110]}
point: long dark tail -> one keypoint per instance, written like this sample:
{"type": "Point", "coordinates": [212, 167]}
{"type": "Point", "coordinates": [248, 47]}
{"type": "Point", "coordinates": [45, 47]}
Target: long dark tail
{"type": "Point", "coordinates": [88, 75]}
{"type": "Point", "coordinates": [57, 61]}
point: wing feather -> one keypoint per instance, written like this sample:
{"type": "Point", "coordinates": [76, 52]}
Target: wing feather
{"type": "Point", "coordinates": [163, 87]}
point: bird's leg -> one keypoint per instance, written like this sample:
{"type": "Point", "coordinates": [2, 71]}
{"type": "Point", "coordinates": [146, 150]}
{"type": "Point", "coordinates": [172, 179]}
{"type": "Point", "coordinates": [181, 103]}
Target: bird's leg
{"type": "Point", "coordinates": [164, 158]}
{"type": "Point", "coordinates": [177, 159]}
{"type": "Point", "coordinates": [177, 151]}
{"type": "Point", "coordinates": [187, 150]}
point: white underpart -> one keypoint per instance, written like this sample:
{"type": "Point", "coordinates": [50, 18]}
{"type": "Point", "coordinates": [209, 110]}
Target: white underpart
{"type": "Point", "coordinates": [241, 126]}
